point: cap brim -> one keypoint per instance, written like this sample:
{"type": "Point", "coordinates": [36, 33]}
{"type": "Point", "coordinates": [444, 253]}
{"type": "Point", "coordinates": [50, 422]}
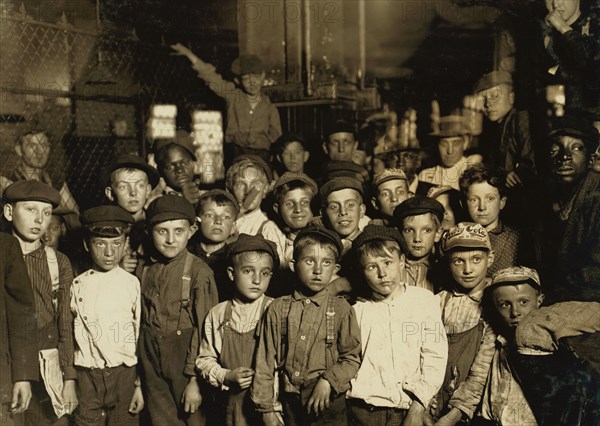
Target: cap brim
{"type": "Point", "coordinates": [163, 217]}
{"type": "Point", "coordinates": [514, 279]}
{"type": "Point", "coordinates": [468, 245]}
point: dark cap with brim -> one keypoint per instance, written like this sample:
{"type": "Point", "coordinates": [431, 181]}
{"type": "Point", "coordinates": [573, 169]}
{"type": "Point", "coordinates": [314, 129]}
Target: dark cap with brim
{"type": "Point", "coordinates": [106, 216]}
{"type": "Point", "coordinates": [337, 184]}
{"type": "Point", "coordinates": [493, 79]}
{"type": "Point", "coordinates": [330, 235]}
{"type": "Point", "coordinates": [134, 162]}
{"type": "Point", "coordinates": [288, 177]}
{"type": "Point", "coordinates": [246, 243]}
{"type": "Point", "coordinates": [577, 127]}
{"type": "Point", "coordinates": [31, 190]}
{"type": "Point", "coordinates": [247, 64]}
{"type": "Point", "coordinates": [170, 207]}
{"type": "Point", "coordinates": [417, 205]}
{"type": "Point", "coordinates": [376, 233]}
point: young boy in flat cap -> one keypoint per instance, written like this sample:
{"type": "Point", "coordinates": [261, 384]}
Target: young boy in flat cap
{"type": "Point", "coordinates": [178, 290]}
{"type": "Point", "coordinates": [419, 221]}
{"type": "Point", "coordinates": [311, 339]}
{"type": "Point", "coordinates": [28, 207]}
{"type": "Point", "coordinates": [216, 211]}
{"type": "Point", "coordinates": [390, 188]}
{"type": "Point", "coordinates": [105, 307]}
{"type": "Point", "coordinates": [404, 347]}
{"type": "Point", "coordinates": [229, 339]}
{"type": "Point", "coordinates": [253, 122]}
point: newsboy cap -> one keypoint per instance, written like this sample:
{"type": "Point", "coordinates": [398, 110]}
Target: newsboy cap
{"type": "Point", "coordinates": [31, 190]}
{"type": "Point", "coordinates": [257, 242]}
{"type": "Point", "coordinates": [493, 79]}
{"type": "Point", "coordinates": [417, 205]}
{"type": "Point", "coordinates": [288, 177]}
{"type": "Point", "coordinates": [339, 183]}
{"type": "Point", "coordinates": [106, 216]}
{"type": "Point", "coordinates": [134, 162]}
{"type": "Point", "coordinates": [170, 207]}
{"type": "Point", "coordinates": [387, 175]}
{"type": "Point", "coordinates": [515, 275]}
{"type": "Point", "coordinates": [321, 231]}
{"type": "Point", "coordinates": [466, 235]}
{"type": "Point", "coordinates": [247, 64]}
{"type": "Point", "coordinates": [374, 233]}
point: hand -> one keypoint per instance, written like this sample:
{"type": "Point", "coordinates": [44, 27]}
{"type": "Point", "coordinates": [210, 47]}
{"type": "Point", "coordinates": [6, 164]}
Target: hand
{"type": "Point", "coordinates": [137, 401]}
{"type": "Point", "coordinates": [555, 20]}
{"type": "Point", "coordinates": [129, 262]}
{"type": "Point", "coordinates": [191, 398]}
{"type": "Point", "coordinates": [319, 399]}
{"type": "Point", "coordinates": [181, 50]}
{"type": "Point", "coordinates": [272, 419]}
{"type": "Point", "coordinates": [241, 377]}
{"type": "Point", "coordinates": [450, 419]}
{"type": "Point", "coordinates": [190, 192]}
{"type": "Point", "coordinates": [21, 396]}
{"type": "Point", "coordinates": [69, 395]}
{"type": "Point", "coordinates": [513, 179]}
{"type": "Point", "coordinates": [416, 415]}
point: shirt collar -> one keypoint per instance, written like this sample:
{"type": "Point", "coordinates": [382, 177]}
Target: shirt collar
{"type": "Point", "coordinates": [410, 263]}
{"type": "Point", "coordinates": [318, 299]}
{"type": "Point", "coordinates": [38, 253]}
{"type": "Point", "coordinates": [498, 229]}
{"type": "Point", "coordinates": [476, 296]}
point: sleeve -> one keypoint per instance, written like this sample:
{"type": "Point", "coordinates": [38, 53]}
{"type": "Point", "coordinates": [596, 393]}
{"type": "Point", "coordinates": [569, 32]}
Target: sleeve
{"type": "Point", "coordinates": [137, 310]}
{"type": "Point", "coordinates": [542, 329]}
{"type": "Point", "coordinates": [205, 298]}
{"type": "Point", "coordinates": [262, 391]}
{"type": "Point", "coordinates": [274, 124]}
{"type": "Point", "coordinates": [210, 347]}
{"type": "Point", "coordinates": [66, 340]}
{"type": "Point", "coordinates": [216, 83]}
{"type": "Point", "coordinates": [20, 313]}
{"type": "Point", "coordinates": [434, 355]}
{"type": "Point", "coordinates": [349, 349]}
{"type": "Point", "coordinates": [469, 393]}
{"type": "Point", "coordinates": [575, 49]}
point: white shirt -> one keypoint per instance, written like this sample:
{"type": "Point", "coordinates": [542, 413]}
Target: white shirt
{"type": "Point", "coordinates": [285, 245]}
{"type": "Point", "coordinates": [446, 176]}
{"type": "Point", "coordinates": [251, 223]}
{"type": "Point", "coordinates": [404, 349]}
{"type": "Point", "coordinates": [107, 308]}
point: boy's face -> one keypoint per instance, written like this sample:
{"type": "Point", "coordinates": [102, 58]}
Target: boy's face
{"type": "Point", "coordinates": [420, 233]}
{"type": "Point", "coordinates": [451, 150]}
{"type": "Point", "coordinates": [54, 232]}
{"type": "Point", "coordinates": [340, 146]}
{"type": "Point", "coordinates": [252, 83]}
{"type": "Point", "coordinates": [383, 274]}
{"type": "Point", "coordinates": [171, 237]}
{"type": "Point", "coordinates": [449, 220]}
{"type": "Point", "coordinates": [315, 266]}
{"type": "Point", "coordinates": [243, 182]}
{"type": "Point", "coordinates": [178, 167]}
{"type": "Point", "coordinates": [293, 157]}
{"type": "Point", "coordinates": [344, 209]}
{"type": "Point", "coordinates": [216, 221]}
{"type": "Point", "coordinates": [565, 8]}
{"type": "Point", "coordinates": [497, 101]}
{"type": "Point", "coordinates": [130, 189]}
{"type": "Point", "coordinates": [251, 273]}
{"type": "Point", "coordinates": [469, 266]}
{"type": "Point", "coordinates": [390, 194]}
{"type": "Point", "coordinates": [106, 252]}
{"type": "Point", "coordinates": [34, 150]}
{"type": "Point", "coordinates": [295, 208]}
{"type": "Point", "coordinates": [484, 203]}
{"type": "Point", "coordinates": [569, 159]}
{"type": "Point", "coordinates": [30, 219]}
{"type": "Point", "coordinates": [514, 302]}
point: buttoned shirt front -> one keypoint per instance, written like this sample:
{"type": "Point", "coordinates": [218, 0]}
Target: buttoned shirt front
{"type": "Point", "coordinates": [416, 273]}
{"type": "Point", "coordinates": [445, 176]}
{"type": "Point", "coordinates": [460, 311]}
{"type": "Point", "coordinates": [404, 349]}
{"type": "Point", "coordinates": [107, 310]}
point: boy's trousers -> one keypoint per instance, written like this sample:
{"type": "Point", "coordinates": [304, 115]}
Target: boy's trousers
{"type": "Point", "coordinates": [295, 411]}
{"type": "Point", "coordinates": [163, 360]}
{"type": "Point", "coordinates": [362, 414]}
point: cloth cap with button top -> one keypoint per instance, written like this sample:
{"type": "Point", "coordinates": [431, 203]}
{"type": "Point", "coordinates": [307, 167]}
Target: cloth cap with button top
{"type": "Point", "coordinates": [515, 275]}
{"type": "Point", "coordinates": [387, 175]}
{"type": "Point", "coordinates": [376, 233]}
{"type": "Point", "coordinates": [247, 64]}
{"type": "Point", "coordinates": [133, 162]}
{"type": "Point", "coordinates": [245, 243]}
{"type": "Point", "coordinates": [31, 190]}
{"type": "Point", "coordinates": [182, 139]}
{"type": "Point", "coordinates": [322, 232]}
{"type": "Point", "coordinates": [170, 207]}
{"type": "Point", "coordinates": [466, 235]}
{"type": "Point", "coordinates": [337, 184]}
{"type": "Point", "coordinates": [218, 193]}
{"type": "Point", "coordinates": [493, 79]}
{"type": "Point", "coordinates": [288, 177]}
{"type": "Point", "coordinates": [417, 205]}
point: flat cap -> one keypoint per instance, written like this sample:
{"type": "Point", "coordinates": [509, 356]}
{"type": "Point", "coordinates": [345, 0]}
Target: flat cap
{"type": "Point", "coordinates": [323, 232]}
{"type": "Point", "coordinates": [170, 207]}
{"type": "Point", "coordinates": [256, 161]}
{"type": "Point", "coordinates": [517, 274]}
{"type": "Point", "coordinates": [387, 175]}
{"type": "Point", "coordinates": [339, 126]}
{"type": "Point", "coordinates": [134, 162]}
{"type": "Point", "coordinates": [247, 242]}
{"type": "Point", "coordinates": [343, 168]}
{"type": "Point", "coordinates": [578, 127]}
{"type": "Point", "coordinates": [466, 235]}
{"type": "Point", "coordinates": [182, 139]}
{"type": "Point", "coordinates": [31, 190]}
{"type": "Point", "coordinates": [417, 205]}
{"type": "Point", "coordinates": [106, 216]}
{"type": "Point", "coordinates": [288, 177]}
{"type": "Point", "coordinates": [376, 232]}
{"type": "Point", "coordinates": [492, 79]}
{"type": "Point", "coordinates": [218, 194]}
{"type": "Point", "coordinates": [337, 184]}
{"type": "Point", "coordinates": [247, 64]}
{"type": "Point", "coordinates": [451, 126]}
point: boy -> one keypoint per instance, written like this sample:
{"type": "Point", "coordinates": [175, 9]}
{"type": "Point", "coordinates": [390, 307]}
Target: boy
{"type": "Point", "coordinates": [106, 308]}
{"type": "Point", "coordinates": [484, 192]}
{"type": "Point", "coordinates": [467, 250]}
{"type": "Point", "coordinates": [249, 179]}
{"type": "Point", "coordinates": [28, 207]}
{"type": "Point", "coordinates": [400, 323]}
{"type": "Point", "coordinates": [253, 122]}
{"type": "Point", "coordinates": [311, 339]}
{"type": "Point", "coordinates": [228, 342]}
{"type": "Point", "coordinates": [452, 140]}
{"type": "Point", "coordinates": [292, 152]}
{"type": "Point", "coordinates": [390, 188]}
{"type": "Point", "coordinates": [178, 290]}
{"type": "Point", "coordinates": [340, 144]}
{"type": "Point", "coordinates": [419, 221]}
{"type": "Point", "coordinates": [216, 211]}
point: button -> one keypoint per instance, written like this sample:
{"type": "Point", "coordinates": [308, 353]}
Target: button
{"type": "Point", "coordinates": [91, 272]}
{"type": "Point", "coordinates": [302, 337]}
{"type": "Point", "coordinates": [85, 318]}
{"type": "Point", "coordinates": [307, 301]}
{"type": "Point", "coordinates": [80, 299]}
{"type": "Point", "coordinates": [76, 281]}
{"type": "Point", "coordinates": [179, 332]}
{"type": "Point", "coordinates": [49, 337]}
{"type": "Point", "coordinates": [297, 373]}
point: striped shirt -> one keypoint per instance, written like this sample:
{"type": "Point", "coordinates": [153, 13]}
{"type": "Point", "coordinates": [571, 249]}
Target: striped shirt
{"type": "Point", "coordinates": [460, 311]}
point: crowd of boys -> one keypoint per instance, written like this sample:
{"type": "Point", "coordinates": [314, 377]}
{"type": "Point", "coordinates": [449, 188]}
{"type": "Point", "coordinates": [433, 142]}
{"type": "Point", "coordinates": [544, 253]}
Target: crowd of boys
{"type": "Point", "coordinates": [277, 300]}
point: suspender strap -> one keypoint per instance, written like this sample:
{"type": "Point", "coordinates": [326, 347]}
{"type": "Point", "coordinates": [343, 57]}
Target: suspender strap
{"type": "Point", "coordinates": [262, 225]}
{"type": "Point", "coordinates": [330, 321]}
{"type": "Point", "coordinates": [54, 273]}
{"type": "Point", "coordinates": [186, 282]}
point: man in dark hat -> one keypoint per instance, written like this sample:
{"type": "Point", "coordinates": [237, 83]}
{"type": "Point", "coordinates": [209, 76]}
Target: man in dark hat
{"type": "Point", "coordinates": [253, 122]}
